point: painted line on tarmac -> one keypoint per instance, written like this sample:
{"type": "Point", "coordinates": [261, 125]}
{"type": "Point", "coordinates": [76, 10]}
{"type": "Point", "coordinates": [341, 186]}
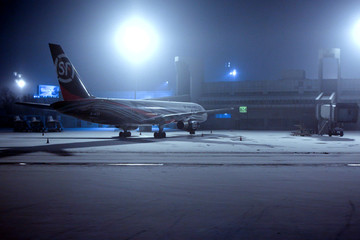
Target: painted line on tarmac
{"type": "Point", "coordinates": [354, 164]}
{"type": "Point", "coordinates": [179, 164]}
{"type": "Point", "coordinates": [135, 164]}
{"type": "Point", "coordinates": [78, 164]}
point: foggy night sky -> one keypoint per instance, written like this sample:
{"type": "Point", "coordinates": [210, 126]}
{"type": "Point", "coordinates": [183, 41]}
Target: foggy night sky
{"type": "Point", "coordinates": [261, 37]}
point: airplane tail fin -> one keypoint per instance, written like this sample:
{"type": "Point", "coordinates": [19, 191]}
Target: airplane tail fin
{"type": "Point", "coordinates": [70, 84]}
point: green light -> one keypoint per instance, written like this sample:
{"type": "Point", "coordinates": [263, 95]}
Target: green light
{"type": "Point", "coordinates": [243, 109]}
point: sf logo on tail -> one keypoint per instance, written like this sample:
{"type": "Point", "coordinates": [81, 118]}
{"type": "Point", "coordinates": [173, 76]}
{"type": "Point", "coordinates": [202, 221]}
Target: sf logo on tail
{"type": "Point", "coordinates": [64, 69]}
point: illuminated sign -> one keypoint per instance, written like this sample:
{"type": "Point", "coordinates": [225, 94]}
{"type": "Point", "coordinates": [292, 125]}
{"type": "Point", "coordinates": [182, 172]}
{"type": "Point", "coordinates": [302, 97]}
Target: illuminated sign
{"type": "Point", "coordinates": [48, 91]}
{"type": "Point", "coordinates": [225, 115]}
{"type": "Point", "coordinates": [243, 109]}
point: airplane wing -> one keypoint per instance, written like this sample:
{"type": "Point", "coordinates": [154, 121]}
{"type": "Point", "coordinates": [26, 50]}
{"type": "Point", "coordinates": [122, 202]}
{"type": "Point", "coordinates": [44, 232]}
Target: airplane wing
{"type": "Point", "coordinates": [184, 115]}
{"type": "Point", "coordinates": [36, 105]}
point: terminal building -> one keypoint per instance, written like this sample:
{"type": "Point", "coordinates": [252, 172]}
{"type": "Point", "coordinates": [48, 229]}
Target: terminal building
{"type": "Point", "coordinates": [282, 104]}
{"type": "Point", "coordinates": [277, 104]}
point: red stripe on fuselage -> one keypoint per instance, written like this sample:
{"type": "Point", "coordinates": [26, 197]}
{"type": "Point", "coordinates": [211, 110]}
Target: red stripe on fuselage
{"type": "Point", "coordinates": [68, 96]}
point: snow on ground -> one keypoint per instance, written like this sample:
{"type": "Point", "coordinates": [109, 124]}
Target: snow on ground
{"type": "Point", "coordinates": [270, 185]}
{"type": "Point", "coordinates": [181, 142]}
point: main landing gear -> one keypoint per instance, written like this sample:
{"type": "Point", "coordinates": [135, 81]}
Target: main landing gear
{"type": "Point", "coordinates": [125, 134]}
{"type": "Point", "coordinates": [161, 133]}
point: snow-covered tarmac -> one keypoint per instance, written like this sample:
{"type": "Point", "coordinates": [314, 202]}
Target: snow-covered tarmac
{"type": "Point", "coordinates": [94, 185]}
{"type": "Point", "coordinates": [106, 145]}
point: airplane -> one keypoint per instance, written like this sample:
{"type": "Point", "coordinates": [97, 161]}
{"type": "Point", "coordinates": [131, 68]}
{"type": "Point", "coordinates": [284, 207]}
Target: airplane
{"type": "Point", "coordinates": [125, 114]}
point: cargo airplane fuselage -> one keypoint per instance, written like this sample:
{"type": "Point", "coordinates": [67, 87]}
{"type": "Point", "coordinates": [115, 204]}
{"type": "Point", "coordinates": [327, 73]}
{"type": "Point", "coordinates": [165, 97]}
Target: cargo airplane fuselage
{"type": "Point", "coordinates": [127, 114]}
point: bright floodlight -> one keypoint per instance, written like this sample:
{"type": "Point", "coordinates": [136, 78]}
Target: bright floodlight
{"type": "Point", "coordinates": [136, 40]}
{"type": "Point", "coordinates": [233, 73]}
{"type": "Point", "coordinates": [20, 82]}
{"type": "Point", "coordinates": [356, 33]}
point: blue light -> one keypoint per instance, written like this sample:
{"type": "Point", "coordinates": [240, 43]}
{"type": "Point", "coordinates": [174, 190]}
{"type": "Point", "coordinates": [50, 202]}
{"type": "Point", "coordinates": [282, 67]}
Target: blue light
{"type": "Point", "coordinates": [223, 115]}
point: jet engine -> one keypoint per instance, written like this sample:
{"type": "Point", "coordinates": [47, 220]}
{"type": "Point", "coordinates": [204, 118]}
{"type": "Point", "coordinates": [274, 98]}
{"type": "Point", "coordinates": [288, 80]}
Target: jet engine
{"type": "Point", "coordinates": [189, 126]}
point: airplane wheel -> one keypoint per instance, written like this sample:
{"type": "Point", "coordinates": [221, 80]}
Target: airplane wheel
{"type": "Point", "coordinates": [125, 134]}
{"type": "Point", "coordinates": [159, 135]}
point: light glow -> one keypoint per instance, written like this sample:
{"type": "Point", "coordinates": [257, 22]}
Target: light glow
{"type": "Point", "coordinates": [356, 33]}
{"type": "Point", "coordinates": [233, 73]}
{"type": "Point", "coordinates": [20, 82]}
{"type": "Point", "coordinates": [136, 40]}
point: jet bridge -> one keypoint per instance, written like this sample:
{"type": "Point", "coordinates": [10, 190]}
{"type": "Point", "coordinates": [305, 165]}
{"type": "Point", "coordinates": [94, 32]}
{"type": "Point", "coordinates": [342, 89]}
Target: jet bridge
{"type": "Point", "coordinates": [331, 116]}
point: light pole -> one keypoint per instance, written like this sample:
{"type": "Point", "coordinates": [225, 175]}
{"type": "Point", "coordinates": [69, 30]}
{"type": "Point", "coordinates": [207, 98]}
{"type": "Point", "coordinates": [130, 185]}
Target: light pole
{"type": "Point", "coordinates": [136, 82]}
